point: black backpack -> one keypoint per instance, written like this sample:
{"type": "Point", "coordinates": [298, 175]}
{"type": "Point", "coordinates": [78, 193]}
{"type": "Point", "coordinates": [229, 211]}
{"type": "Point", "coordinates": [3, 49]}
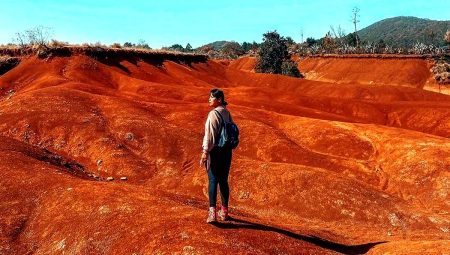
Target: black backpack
{"type": "Point", "coordinates": [229, 134]}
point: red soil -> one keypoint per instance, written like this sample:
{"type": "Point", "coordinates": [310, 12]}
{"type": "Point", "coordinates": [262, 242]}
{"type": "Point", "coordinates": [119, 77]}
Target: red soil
{"type": "Point", "coordinates": [369, 71]}
{"type": "Point", "coordinates": [326, 165]}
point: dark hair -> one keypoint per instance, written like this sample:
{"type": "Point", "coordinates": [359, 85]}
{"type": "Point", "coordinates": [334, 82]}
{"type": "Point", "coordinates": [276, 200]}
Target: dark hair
{"type": "Point", "coordinates": [217, 93]}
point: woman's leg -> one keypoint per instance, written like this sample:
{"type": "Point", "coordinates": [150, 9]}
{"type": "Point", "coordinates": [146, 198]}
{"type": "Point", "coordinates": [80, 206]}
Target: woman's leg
{"type": "Point", "coordinates": [224, 190]}
{"type": "Point", "coordinates": [213, 177]}
{"type": "Point", "coordinates": [212, 187]}
{"type": "Point", "coordinates": [223, 177]}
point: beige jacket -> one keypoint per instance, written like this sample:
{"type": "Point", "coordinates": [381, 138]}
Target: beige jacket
{"type": "Point", "coordinates": [212, 127]}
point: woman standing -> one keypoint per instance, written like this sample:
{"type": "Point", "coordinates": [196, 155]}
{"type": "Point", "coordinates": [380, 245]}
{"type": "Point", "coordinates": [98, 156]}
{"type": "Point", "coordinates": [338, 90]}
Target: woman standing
{"type": "Point", "coordinates": [215, 159]}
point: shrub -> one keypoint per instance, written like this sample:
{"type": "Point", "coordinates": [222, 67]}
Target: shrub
{"type": "Point", "coordinates": [116, 45]}
{"type": "Point", "coordinates": [128, 45]}
{"type": "Point", "coordinates": [35, 36]}
{"type": "Point", "coordinates": [290, 68]}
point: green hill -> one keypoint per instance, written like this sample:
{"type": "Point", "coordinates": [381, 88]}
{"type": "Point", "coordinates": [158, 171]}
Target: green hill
{"type": "Point", "coordinates": [217, 45]}
{"type": "Point", "coordinates": [405, 31]}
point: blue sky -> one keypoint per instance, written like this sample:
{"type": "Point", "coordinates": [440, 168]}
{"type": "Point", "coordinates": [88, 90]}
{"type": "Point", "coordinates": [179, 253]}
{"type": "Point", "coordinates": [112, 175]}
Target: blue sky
{"type": "Point", "coordinates": [163, 23]}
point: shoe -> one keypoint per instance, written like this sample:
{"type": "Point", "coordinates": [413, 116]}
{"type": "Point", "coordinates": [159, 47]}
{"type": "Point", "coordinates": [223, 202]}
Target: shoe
{"type": "Point", "coordinates": [211, 215]}
{"type": "Point", "coordinates": [223, 214]}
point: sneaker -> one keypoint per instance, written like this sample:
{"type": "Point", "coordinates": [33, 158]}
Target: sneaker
{"type": "Point", "coordinates": [223, 214]}
{"type": "Point", "coordinates": [211, 215]}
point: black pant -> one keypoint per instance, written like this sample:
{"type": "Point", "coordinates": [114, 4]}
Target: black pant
{"type": "Point", "coordinates": [218, 174]}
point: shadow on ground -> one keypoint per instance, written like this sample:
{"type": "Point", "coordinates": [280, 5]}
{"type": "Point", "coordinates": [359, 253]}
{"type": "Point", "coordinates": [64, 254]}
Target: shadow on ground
{"type": "Point", "coordinates": [235, 223]}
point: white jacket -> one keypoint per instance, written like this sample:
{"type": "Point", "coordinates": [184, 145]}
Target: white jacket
{"type": "Point", "coordinates": [213, 125]}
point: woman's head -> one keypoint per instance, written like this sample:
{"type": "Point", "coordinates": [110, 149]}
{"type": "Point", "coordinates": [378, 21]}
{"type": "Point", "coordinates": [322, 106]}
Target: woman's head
{"type": "Point", "coordinates": [216, 98]}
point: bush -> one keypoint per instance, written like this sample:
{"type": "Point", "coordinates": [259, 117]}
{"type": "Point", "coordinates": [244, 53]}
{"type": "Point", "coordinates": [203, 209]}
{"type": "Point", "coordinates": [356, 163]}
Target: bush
{"type": "Point", "coordinates": [128, 45]}
{"type": "Point", "coordinates": [35, 36]}
{"type": "Point", "coordinates": [290, 68]}
{"type": "Point", "coordinates": [116, 45]}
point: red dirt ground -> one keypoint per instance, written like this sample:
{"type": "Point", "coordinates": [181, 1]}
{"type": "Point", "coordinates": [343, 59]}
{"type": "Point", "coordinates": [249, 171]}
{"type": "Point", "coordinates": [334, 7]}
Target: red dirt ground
{"type": "Point", "coordinates": [353, 159]}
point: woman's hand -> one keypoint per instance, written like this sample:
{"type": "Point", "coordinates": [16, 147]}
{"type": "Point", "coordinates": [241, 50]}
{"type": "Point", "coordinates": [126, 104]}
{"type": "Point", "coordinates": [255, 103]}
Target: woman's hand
{"type": "Point", "coordinates": [204, 159]}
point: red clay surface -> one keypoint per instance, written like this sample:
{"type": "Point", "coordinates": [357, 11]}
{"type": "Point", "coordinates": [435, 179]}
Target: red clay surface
{"type": "Point", "coordinates": [330, 164]}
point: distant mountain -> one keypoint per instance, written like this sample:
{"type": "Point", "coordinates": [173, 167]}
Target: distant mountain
{"type": "Point", "coordinates": [217, 45]}
{"type": "Point", "coordinates": [405, 31]}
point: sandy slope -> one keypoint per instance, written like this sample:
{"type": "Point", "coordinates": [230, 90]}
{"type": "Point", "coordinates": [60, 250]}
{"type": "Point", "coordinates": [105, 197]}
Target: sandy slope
{"type": "Point", "coordinates": [326, 165]}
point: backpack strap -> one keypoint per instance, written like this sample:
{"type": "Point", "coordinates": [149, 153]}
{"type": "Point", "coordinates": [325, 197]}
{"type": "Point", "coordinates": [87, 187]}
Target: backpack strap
{"type": "Point", "coordinates": [221, 124]}
{"type": "Point", "coordinates": [221, 118]}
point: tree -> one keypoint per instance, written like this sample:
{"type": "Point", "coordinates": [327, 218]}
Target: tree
{"type": "Point", "coordinates": [128, 45]}
{"type": "Point", "coordinates": [338, 34]}
{"type": "Point", "coordinates": [289, 41]}
{"type": "Point", "coordinates": [246, 46]}
{"type": "Point", "coordinates": [310, 41]}
{"type": "Point", "coordinates": [273, 56]}
{"type": "Point", "coordinates": [273, 52]}
{"type": "Point", "coordinates": [380, 46]}
{"type": "Point", "coordinates": [328, 43]}
{"type": "Point", "coordinates": [255, 46]}
{"type": "Point", "coordinates": [176, 47]}
{"type": "Point", "coordinates": [188, 47]}
{"type": "Point", "coordinates": [355, 20]}
{"type": "Point", "coordinates": [352, 39]}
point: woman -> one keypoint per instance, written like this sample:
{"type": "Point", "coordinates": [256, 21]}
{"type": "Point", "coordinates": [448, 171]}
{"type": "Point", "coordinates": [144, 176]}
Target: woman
{"type": "Point", "coordinates": [215, 159]}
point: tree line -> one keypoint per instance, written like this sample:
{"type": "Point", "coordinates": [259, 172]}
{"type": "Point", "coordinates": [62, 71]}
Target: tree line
{"type": "Point", "coordinates": [274, 53]}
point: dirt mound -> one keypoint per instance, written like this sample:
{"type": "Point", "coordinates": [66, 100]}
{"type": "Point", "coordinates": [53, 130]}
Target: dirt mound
{"type": "Point", "coordinates": [369, 71]}
{"type": "Point", "coordinates": [244, 64]}
{"type": "Point", "coordinates": [323, 167]}
{"type": "Point", "coordinates": [397, 71]}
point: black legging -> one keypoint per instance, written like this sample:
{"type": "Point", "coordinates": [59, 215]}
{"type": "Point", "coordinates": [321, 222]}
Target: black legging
{"type": "Point", "coordinates": [218, 174]}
